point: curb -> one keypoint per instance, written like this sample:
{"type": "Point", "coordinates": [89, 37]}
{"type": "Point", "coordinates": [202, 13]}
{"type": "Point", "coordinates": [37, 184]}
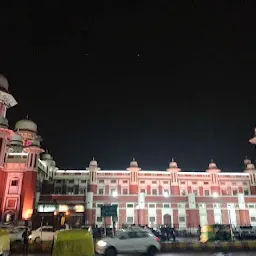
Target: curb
{"type": "Point", "coordinates": [214, 246]}
{"type": "Point", "coordinates": [167, 247]}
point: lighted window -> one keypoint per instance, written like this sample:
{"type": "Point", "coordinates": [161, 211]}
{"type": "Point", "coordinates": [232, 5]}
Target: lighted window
{"type": "Point", "coordinates": [14, 183]}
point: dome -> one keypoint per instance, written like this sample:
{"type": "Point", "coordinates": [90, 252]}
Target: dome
{"type": "Point", "coordinates": [46, 156]}
{"type": "Point", "coordinates": [133, 163]}
{"type": "Point", "coordinates": [26, 124]}
{"type": "Point", "coordinates": [173, 164]}
{"type": "Point", "coordinates": [247, 161]}
{"type": "Point", "coordinates": [93, 162]}
{"type": "Point", "coordinates": [250, 167]}
{"type": "Point", "coordinates": [212, 165]}
{"type": "Point", "coordinates": [35, 143]}
{"type": "Point", "coordinates": [16, 139]}
{"type": "Point", "coordinates": [4, 85]}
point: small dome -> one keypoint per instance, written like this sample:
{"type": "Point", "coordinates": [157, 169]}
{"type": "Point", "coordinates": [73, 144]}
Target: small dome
{"type": "Point", "coordinates": [212, 165]}
{"type": "Point", "coordinates": [26, 124]}
{"type": "Point", "coordinates": [134, 163]}
{"type": "Point", "coordinates": [16, 139]}
{"type": "Point", "coordinates": [247, 161]}
{"type": "Point", "coordinates": [35, 143]}
{"type": "Point", "coordinates": [173, 164]}
{"type": "Point", "coordinates": [250, 167]}
{"type": "Point", "coordinates": [46, 156]}
{"type": "Point", "coordinates": [93, 162]}
{"type": "Point", "coordinates": [4, 85]}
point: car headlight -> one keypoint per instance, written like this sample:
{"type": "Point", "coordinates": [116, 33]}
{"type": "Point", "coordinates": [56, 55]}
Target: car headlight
{"type": "Point", "coordinates": [101, 243]}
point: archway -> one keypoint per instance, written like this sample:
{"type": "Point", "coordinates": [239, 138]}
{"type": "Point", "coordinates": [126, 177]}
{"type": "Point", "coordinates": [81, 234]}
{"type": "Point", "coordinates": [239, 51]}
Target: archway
{"type": "Point", "coordinates": [168, 220]}
{"type": "Point", "coordinates": [9, 217]}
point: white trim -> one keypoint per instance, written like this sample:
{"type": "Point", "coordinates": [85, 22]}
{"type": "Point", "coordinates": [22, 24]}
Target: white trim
{"type": "Point", "coordinates": [234, 173]}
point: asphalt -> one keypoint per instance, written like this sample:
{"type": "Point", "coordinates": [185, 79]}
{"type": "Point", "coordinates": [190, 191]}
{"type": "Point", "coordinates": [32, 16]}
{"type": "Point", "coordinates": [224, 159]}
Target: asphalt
{"type": "Point", "coordinates": [176, 254]}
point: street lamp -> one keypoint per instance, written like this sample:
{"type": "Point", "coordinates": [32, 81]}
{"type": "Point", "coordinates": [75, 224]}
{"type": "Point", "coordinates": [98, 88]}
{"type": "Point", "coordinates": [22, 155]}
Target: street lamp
{"type": "Point", "coordinates": [114, 194]}
{"type": "Point", "coordinates": [215, 195]}
{"type": "Point", "coordinates": [166, 194]}
{"type": "Point", "coordinates": [138, 214]}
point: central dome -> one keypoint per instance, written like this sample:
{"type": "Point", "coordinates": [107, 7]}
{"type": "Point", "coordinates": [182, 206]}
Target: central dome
{"type": "Point", "coordinates": [26, 125]}
{"type": "Point", "coordinates": [4, 85]}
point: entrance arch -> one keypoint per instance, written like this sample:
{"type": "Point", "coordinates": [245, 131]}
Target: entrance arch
{"type": "Point", "coordinates": [168, 220]}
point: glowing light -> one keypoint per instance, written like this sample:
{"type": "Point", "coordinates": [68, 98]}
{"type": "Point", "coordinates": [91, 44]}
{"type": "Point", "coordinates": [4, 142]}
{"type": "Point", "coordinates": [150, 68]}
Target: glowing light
{"type": "Point", "coordinates": [215, 195]}
{"type": "Point", "coordinates": [18, 154]}
{"type": "Point", "coordinates": [166, 194]}
{"type": "Point", "coordinates": [114, 194]}
{"type": "Point", "coordinates": [28, 213]}
{"type": "Point", "coordinates": [79, 208]}
{"type": "Point", "coordinates": [63, 208]}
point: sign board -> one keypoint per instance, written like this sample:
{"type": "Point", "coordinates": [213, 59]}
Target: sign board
{"type": "Point", "coordinates": [46, 208]}
{"type": "Point", "coordinates": [108, 210]}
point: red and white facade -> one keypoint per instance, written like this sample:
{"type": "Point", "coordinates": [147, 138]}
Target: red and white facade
{"type": "Point", "coordinates": [31, 187]}
{"type": "Point", "coordinates": [180, 199]}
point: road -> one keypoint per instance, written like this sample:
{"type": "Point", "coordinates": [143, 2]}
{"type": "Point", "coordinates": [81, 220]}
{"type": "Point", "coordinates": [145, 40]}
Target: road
{"type": "Point", "coordinates": [178, 254]}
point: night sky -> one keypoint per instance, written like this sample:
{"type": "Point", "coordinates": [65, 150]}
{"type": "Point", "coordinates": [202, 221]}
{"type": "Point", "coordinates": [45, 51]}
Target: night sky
{"type": "Point", "coordinates": [123, 80]}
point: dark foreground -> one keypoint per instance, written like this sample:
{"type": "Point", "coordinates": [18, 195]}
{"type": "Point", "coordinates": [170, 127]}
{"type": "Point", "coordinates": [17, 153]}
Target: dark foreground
{"type": "Point", "coordinates": [177, 254]}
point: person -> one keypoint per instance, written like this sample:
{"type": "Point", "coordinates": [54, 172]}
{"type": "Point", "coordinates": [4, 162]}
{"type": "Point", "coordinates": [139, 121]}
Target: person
{"type": "Point", "coordinates": [199, 232]}
{"type": "Point", "coordinates": [25, 240]}
{"type": "Point", "coordinates": [173, 234]}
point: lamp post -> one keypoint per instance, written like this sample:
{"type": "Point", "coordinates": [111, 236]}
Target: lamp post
{"type": "Point", "coordinates": [138, 214]}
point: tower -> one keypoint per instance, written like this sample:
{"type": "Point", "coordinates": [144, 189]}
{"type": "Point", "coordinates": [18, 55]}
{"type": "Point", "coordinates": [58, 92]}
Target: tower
{"type": "Point", "coordinates": [30, 178]}
{"type": "Point", "coordinates": [134, 169]}
{"type": "Point", "coordinates": [214, 170]}
{"type": "Point", "coordinates": [250, 168]}
{"type": "Point", "coordinates": [93, 168]}
{"type": "Point", "coordinates": [6, 101]}
{"type": "Point", "coordinates": [174, 170]}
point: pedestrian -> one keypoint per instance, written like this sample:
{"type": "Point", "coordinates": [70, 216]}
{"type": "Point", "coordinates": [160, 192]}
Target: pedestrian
{"type": "Point", "coordinates": [173, 234]}
{"type": "Point", "coordinates": [199, 232]}
{"type": "Point", "coordinates": [25, 241]}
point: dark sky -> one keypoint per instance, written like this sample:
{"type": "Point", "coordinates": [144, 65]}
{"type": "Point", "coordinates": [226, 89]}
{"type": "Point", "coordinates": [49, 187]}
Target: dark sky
{"type": "Point", "coordinates": [122, 80]}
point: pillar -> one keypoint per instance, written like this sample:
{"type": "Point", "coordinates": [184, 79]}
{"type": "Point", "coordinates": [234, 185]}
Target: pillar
{"type": "Point", "coordinates": [141, 209]}
{"type": "Point", "coordinates": [89, 208]}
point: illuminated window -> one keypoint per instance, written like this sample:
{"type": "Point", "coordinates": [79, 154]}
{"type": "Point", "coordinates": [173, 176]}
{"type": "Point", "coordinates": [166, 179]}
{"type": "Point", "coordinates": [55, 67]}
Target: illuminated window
{"type": "Point", "coordinates": [14, 183]}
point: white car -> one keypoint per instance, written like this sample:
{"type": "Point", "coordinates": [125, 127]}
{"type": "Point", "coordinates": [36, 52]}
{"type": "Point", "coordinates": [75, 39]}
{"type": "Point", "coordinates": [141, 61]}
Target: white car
{"type": "Point", "coordinates": [131, 241]}
{"type": "Point", "coordinates": [44, 233]}
{"type": "Point", "coordinates": [16, 234]}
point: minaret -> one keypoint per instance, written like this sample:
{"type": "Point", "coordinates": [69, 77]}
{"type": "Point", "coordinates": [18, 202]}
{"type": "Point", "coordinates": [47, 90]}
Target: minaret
{"type": "Point", "coordinates": [93, 168]}
{"type": "Point", "coordinates": [174, 170]}
{"type": "Point", "coordinates": [134, 169]}
{"type": "Point", "coordinates": [250, 168]}
{"type": "Point", "coordinates": [6, 101]}
{"type": "Point", "coordinates": [30, 177]}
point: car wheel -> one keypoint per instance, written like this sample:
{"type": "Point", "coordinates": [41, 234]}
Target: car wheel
{"type": "Point", "coordinates": [151, 251]}
{"type": "Point", "coordinates": [37, 240]}
{"type": "Point", "coordinates": [111, 252]}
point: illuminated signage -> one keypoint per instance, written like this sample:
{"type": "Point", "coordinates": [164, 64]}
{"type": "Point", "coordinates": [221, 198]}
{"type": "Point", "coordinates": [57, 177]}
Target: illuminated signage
{"type": "Point", "coordinates": [63, 208]}
{"type": "Point", "coordinates": [79, 208]}
{"type": "Point", "coordinates": [46, 208]}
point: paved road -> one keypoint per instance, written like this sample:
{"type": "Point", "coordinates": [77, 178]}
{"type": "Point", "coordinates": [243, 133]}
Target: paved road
{"type": "Point", "coordinates": [179, 254]}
